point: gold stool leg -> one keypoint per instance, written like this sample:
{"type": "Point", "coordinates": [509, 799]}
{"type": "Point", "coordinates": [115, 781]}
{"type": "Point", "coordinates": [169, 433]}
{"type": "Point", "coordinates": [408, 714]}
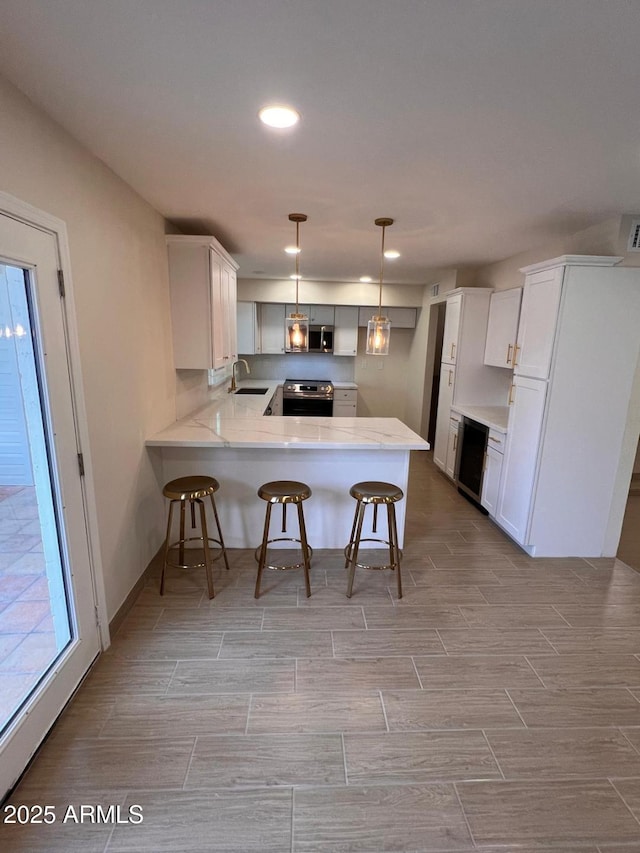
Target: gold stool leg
{"type": "Point", "coordinates": [222, 545]}
{"type": "Point", "coordinates": [263, 550]}
{"type": "Point", "coordinates": [394, 548]}
{"type": "Point", "coordinates": [356, 545]}
{"type": "Point", "coordinates": [183, 506]}
{"type": "Point", "coordinates": [205, 545]}
{"type": "Point", "coordinates": [167, 542]}
{"type": "Point", "coordinates": [353, 530]}
{"type": "Point", "coordinates": [305, 549]}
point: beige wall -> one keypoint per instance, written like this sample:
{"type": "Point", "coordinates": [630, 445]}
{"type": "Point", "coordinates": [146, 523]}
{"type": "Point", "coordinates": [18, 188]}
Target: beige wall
{"type": "Point", "coordinates": [607, 238]}
{"type": "Point", "coordinates": [119, 269]}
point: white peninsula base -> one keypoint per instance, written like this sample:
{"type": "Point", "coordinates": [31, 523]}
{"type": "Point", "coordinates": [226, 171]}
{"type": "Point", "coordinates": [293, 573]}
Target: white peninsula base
{"type": "Point", "coordinates": [329, 473]}
{"type": "Point", "coordinates": [229, 439]}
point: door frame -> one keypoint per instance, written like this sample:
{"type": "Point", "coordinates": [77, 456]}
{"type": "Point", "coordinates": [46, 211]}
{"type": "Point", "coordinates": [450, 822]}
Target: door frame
{"type": "Point", "coordinates": [33, 216]}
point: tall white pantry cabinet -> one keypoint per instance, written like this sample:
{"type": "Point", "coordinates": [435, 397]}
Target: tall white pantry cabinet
{"type": "Point", "coordinates": [575, 413]}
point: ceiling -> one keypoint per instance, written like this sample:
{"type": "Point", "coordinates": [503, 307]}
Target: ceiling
{"type": "Point", "coordinates": [483, 127]}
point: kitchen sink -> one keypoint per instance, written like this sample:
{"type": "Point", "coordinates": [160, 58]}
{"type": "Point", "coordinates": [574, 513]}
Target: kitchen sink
{"type": "Point", "coordinates": [251, 391]}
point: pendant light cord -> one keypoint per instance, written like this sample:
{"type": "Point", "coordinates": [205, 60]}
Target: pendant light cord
{"type": "Point", "coordinates": [297, 262]}
{"type": "Point", "coordinates": [381, 273]}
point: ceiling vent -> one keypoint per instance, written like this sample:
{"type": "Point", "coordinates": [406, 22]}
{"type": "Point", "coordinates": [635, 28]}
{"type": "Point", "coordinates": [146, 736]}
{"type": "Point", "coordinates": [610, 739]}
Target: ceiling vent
{"type": "Point", "coordinates": [634, 236]}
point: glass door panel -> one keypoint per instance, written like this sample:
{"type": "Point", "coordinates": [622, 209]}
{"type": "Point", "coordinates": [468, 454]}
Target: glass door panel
{"type": "Point", "coordinates": [48, 627]}
{"type": "Point", "coordinates": [35, 624]}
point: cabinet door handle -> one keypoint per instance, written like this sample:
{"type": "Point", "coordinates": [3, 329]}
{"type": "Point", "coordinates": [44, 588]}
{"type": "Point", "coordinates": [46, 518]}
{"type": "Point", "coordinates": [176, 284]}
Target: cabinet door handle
{"type": "Point", "coordinates": [484, 463]}
{"type": "Point", "coordinates": [515, 354]}
{"type": "Point", "coordinates": [450, 377]}
{"type": "Point", "coordinates": [455, 442]}
{"type": "Point", "coordinates": [453, 346]}
{"type": "Point", "coordinates": [509, 348]}
{"type": "Point", "coordinates": [497, 440]}
{"type": "Point", "coordinates": [510, 401]}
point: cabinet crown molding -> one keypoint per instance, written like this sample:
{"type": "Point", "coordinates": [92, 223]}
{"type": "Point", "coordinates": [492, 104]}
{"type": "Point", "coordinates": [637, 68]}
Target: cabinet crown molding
{"type": "Point", "coordinates": [200, 240]}
{"type": "Point", "coordinates": [447, 294]}
{"type": "Point", "coordinates": [573, 261]}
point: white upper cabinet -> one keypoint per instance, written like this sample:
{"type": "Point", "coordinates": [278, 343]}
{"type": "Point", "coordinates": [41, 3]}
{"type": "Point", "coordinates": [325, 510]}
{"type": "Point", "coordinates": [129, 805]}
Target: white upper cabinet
{"type": "Point", "coordinates": [538, 320]}
{"type": "Point", "coordinates": [272, 317]}
{"type": "Point", "coordinates": [345, 330]}
{"type": "Point", "coordinates": [451, 329]}
{"type": "Point", "coordinates": [319, 315]}
{"type": "Point", "coordinates": [502, 328]}
{"type": "Point", "coordinates": [401, 318]}
{"type": "Point", "coordinates": [202, 281]}
{"type": "Point", "coordinates": [248, 331]}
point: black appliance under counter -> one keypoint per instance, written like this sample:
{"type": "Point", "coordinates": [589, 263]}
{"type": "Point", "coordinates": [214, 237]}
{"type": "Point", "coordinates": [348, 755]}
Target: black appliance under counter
{"type": "Point", "coordinates": [307, 398]}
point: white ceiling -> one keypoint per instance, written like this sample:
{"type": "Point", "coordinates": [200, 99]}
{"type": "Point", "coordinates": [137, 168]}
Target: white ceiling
{"type": "Point", "coordinates": [483, 127]}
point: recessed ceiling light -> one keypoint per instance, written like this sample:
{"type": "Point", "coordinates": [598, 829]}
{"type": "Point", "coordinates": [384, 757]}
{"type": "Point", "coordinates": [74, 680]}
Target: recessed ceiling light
{"type": "Point", "coordinates": [292, 250]}
{"type": "Point", "coordinates": [391, 254]}
{"type": "Point", "coordinates": [278, 115]}
{"type": "Point", "coordinates": [365, 278]}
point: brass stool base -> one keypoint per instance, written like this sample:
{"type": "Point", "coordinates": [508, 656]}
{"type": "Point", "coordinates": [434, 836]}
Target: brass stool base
{"type": "Point", "coordinates": [178, 545]}
{"type": "Point", "coordinates": [282, 568]}
{"type": "Point", "coordinates": [284, 492]}
{"type": "Point", "coordinates": [348, 555]}
{"type": "Point", "coordinates": [374, 493]}
{"type": "Point", "coordinates": [193, 491]}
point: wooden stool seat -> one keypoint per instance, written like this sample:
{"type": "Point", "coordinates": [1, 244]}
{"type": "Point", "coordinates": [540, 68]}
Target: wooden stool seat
{"type": "Point", "coordinates": [284, 492]}
{"type": "Point", "coordinates": [192, 491]}
{"type": "Point", "coordinates": [374, 493]}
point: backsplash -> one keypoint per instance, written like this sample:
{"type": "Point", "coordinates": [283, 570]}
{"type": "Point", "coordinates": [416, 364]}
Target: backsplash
{"type": "Point", "coordinates": [301, 366]}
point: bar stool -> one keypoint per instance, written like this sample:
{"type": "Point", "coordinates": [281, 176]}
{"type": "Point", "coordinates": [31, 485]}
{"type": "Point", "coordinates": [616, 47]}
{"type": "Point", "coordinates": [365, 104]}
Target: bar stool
{"type": "Point", "coordinates": [284, 492]}
{"type": "Point", "coordinates": [374, 493]}
{"type": "Point", "coordinates": [192, 490]}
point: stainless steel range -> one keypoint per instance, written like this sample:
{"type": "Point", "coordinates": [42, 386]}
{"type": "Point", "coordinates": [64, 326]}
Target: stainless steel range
{"type": "Point", "coordinates": [306, 397]}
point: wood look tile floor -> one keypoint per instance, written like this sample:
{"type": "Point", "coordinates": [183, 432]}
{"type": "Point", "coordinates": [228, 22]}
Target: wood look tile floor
{"type": "Point", "coordinates": [495, 707]}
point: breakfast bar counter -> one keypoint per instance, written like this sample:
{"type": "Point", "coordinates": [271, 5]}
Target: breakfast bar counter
{"type": "Point", "coordinates": [232, 440]}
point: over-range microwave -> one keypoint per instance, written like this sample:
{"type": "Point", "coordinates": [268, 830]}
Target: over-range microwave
{"type": "Point", "coordinates": [320, 338]}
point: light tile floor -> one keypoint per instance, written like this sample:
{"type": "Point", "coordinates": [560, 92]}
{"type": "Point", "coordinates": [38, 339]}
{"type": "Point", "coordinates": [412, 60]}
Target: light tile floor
{"type": "Point", "coordinates": [27, 641]}
{"type": "Point", "coordinates": [495, 707]}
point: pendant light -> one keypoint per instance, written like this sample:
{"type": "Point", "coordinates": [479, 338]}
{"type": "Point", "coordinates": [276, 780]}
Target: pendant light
{"type": "Point", "coordinates": [297, 324]}
{"type": "Point", "coordinates": [379, 326]}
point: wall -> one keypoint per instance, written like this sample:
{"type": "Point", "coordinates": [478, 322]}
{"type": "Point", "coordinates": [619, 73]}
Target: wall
{"type": "Point", "coordinates": [607, 238]}
{"type": "Point", "coordinates": [119, 269]}
{"type": "Point", "coordinates": [384, 381]}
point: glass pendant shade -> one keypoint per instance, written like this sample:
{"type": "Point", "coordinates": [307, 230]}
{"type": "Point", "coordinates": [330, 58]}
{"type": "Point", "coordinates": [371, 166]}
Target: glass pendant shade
{"type": "Point", "coordinates": [379, 327]}
{"type": "Point", "coordinates": [297, 333]}
{"type": "Point", "coordinates": [378, 336]}
{"type": "Point", "coordinates": [296, 325]}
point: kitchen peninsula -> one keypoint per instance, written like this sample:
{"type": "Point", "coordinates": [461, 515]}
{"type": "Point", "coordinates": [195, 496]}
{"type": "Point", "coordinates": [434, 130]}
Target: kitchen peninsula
{"type": "Point", "coordinates": [232, 440]}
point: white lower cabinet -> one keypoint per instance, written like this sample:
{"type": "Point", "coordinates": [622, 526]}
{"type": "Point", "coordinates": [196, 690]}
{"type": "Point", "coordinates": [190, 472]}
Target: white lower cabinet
{"type": "Point", "coordinates": [520, 457]}
{"type": "Point", "coordinates": [491, 480]}
{"type": "Point", "coordinates": [345, 402]}
{"type": "Point", "coordinates": [452, 446]}
{"type": "Point", "coordinates": [445, 399]}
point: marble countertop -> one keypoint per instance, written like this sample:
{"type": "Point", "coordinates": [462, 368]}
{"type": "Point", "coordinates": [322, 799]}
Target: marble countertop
{"type": "Point", "coordinates": [495, 417]}
{"type": "Point", "coordinates": [231, 420]}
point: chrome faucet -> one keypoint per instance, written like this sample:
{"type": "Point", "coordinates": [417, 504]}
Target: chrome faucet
{"type": "Point", "coordinates": [233, 385]}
